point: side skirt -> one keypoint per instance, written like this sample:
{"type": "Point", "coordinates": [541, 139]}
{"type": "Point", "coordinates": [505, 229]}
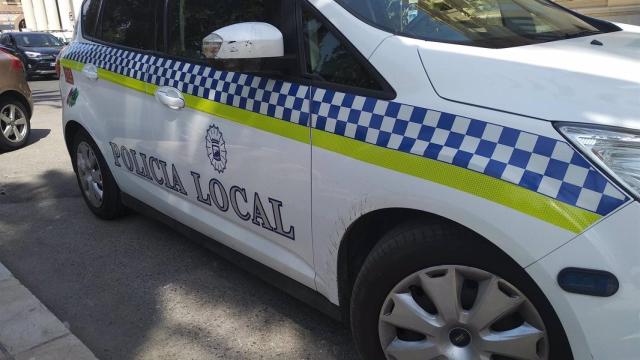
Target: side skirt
{"type": "Point", "coordinates": [274, 278]}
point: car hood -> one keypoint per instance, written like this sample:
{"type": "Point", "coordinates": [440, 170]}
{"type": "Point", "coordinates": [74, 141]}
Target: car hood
{"type": "Point", "coordinates": [43, 50]}
{"type": "Point", "coordinates": [568, 80]}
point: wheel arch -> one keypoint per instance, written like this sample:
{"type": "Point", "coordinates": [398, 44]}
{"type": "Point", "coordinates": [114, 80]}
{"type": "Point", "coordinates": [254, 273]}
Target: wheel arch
{"type": "Point", "coordinates": [71, 128]}
{"type": "Point", "coordinates": [15, 95]}
{"type": "Point", "coordinates": [363, 234]}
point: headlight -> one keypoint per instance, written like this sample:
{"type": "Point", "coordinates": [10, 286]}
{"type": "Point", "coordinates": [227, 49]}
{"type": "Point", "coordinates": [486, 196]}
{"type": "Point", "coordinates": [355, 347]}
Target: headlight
{"type": "Point", "coordinates": [31, 54]}
{"type": "Point", "coordinates": [616, 151]}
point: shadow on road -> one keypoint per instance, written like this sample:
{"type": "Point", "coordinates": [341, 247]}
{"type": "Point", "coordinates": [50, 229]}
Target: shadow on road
{"type": "Point", "coordinates": [50, 97]}
{"type": "Point", "coordinates": [37, 135]}
{"type": "Point", "coordinates": [135, 289]}
{"type": "Point", "coordinates": [52, 184]}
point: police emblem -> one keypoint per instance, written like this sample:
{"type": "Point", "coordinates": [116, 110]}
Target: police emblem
{"type": "Point", "coordinates": [216, 149]}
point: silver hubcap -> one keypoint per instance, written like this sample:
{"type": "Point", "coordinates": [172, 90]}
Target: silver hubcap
{"type": "Point", "coordinates": [461, 313]}
{"type": "Point", "coordinates": [13, 123]}
{"type": "Point", "coordinates": [89, 174]}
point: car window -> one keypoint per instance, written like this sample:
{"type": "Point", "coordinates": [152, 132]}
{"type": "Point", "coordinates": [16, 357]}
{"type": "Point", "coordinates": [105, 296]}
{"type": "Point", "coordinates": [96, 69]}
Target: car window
{"type": "Point", "coordinates": [483, 23]}
{"type": "Point", "coordinates": [90, 11]}
{"type": "Point", "coordinates": [129, 23]}
{"type": "Point", "coordinates": [329, 59]}
{"type": "Point", "coordinates": [190, 21]}
{"type": "Point", "coordinates": [37, 40]}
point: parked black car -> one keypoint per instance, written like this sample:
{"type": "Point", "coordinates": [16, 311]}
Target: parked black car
{"type": "Point", "coordinates": [37, 50]}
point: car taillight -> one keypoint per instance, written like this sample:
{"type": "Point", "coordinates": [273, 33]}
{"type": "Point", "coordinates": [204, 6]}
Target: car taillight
{"type": "Point", "coordinates": [16, 64]}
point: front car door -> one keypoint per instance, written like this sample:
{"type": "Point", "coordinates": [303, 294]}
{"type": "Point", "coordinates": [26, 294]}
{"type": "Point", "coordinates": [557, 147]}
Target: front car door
{"type": "Point", "coordinates": [231, 155]}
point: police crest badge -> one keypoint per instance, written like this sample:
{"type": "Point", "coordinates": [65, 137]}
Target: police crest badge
{"type": "Point", "coordinates": [216, 149]}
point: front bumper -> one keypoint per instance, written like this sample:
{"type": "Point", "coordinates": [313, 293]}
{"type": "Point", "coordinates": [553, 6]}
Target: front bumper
{"type": "Point", "coordinates": [41, 66]}
{"type": "Point", "coordinates": [599, 328]}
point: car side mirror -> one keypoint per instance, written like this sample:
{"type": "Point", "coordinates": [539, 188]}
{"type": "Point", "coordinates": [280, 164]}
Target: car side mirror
{"type": "Point", "coordinates": [249, 40]}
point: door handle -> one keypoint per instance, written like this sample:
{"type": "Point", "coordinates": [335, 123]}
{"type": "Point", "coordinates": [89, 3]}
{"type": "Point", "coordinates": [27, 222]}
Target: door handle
{"type": "Point", "coordinates": [90, 71]}
{"type": "Point", "coordinates": [170, 97]}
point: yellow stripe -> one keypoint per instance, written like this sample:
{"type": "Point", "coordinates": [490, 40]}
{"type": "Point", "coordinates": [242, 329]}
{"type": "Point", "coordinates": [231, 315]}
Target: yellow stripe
{"type": "Point", "coordinates": [240, 116]}
{"type": "Point", "coordinates": [74, 65]}
{"type": "Point", "coordinates": [513, 196]}
{"type": "Point", "coordinates": [526, 201]}
{"type": "Point", "coordinates": [126, 81]}
{"type": "Point", "coordinates": [249, 118]}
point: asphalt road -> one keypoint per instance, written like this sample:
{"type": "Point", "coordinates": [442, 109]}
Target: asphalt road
{"type": "Point", "coordinates": [133, 288]}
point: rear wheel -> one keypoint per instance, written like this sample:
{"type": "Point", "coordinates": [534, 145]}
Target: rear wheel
{"type": "Point", "coordinates": [440, 292]}
{"type": "Point", "coordinates": [15, 126]}
{"type": "Point", "coordinates": [99, 188]}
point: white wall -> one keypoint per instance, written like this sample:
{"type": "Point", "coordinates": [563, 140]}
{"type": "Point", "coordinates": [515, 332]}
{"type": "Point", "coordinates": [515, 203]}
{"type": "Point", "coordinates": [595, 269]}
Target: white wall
{"type": "Point", "coordinates": [29, 15]}
{"type": "Point", "coordinates": [53, 19]}
{"type": "Point", "coordinates": [40, 14]}
{"type": "Point", "coordinates": [66, 8]}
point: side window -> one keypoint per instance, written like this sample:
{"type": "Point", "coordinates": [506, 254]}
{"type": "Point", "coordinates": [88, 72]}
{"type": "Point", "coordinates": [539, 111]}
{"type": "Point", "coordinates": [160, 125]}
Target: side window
{"type": "Point", "coordinates": [6, 40]}
{"type": "Point", "coordinates": [90, 11]}
{"type": "Point", "coordinates": [330, 59]}
{"type": "Point", "coordinates": [190, 21]}
{"type": "Point", "coordinates": [128, 23]}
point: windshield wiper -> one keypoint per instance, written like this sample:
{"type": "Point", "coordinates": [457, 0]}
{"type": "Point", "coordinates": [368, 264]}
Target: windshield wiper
{"type": "Point", "coordinates": [582, 33]}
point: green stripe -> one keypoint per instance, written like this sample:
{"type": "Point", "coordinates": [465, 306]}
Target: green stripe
{"type": "Point", "coordinates": [499, 191]}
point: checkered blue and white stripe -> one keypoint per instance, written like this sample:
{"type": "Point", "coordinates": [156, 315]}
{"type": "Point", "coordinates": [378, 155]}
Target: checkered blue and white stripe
{"type": "Point", "coordinates": [538, 163]}
{"type": "Point", "coordinates": [279, 99]}
{"type": "Point", "coordinates": [535, 162]}
{"type": "Point", "coordinates": [119, 61]}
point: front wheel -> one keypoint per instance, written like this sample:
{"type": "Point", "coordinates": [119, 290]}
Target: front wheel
{"type": "Point", "coordinates": [439, 292]}
{"type": "Point", "coordinates": [99, 188]}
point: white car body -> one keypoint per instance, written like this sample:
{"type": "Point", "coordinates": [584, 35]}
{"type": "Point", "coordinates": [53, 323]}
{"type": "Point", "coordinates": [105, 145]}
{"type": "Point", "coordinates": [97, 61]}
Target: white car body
{"type": "Point", "coordinates": [322, 183]}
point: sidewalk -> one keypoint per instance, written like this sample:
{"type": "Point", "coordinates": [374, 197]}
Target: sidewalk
{"type": "Point", "coordinates": [29, 331]}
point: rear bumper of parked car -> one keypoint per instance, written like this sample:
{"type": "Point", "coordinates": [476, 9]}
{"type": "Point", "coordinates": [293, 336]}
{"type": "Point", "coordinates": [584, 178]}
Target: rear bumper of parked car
{"type": "Point", "coordinates": [600, 328]}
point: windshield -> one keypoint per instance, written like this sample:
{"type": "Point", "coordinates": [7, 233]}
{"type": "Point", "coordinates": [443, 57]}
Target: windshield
{"type": "Point", "coordinates": [37, 40]}
{"type": "Point", "coordinates": [484, 23]}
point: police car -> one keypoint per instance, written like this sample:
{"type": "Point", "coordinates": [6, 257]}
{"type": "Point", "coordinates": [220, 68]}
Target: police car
{"type": "Point", "coordinates": [456, 179]}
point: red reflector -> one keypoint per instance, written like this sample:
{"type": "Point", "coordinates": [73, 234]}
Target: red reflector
{"type": "Point", "coordinates": [68, 75]}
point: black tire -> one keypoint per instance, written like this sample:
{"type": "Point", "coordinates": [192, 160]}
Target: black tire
{"type": "Point", "coordinates": [111, 207]}
{"type": "Point", "coordinates": [416, 246]}
{"type": "Point", "coordinates": [6, 144]}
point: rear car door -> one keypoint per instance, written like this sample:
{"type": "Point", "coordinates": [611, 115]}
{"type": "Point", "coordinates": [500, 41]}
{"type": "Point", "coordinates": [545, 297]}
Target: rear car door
{"type": "Point", "coordinates": [233, 160]}
{"type": "Point", "coordinates": [109, 72]}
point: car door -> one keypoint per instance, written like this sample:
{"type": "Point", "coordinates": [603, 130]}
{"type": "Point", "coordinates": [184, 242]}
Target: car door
{"type": "Point", "coordinates": [111, 80]}
{"type": "Point", "coordinates": [345, 89]}
{"type": "Point", "coordinates": [231, 150]}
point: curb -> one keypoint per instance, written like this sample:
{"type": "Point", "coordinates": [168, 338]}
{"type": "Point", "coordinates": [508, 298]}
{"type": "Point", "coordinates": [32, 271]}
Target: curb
{"type": "Point", "coordinates": [29, 331]}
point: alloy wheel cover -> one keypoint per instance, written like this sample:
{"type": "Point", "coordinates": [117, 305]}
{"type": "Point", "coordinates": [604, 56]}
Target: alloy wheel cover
{"type": "Point", "coordinates": [462, 313]}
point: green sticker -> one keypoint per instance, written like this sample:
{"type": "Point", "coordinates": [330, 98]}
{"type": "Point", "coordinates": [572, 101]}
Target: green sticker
{"type": "Point", "coordinates": [72, 97]}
